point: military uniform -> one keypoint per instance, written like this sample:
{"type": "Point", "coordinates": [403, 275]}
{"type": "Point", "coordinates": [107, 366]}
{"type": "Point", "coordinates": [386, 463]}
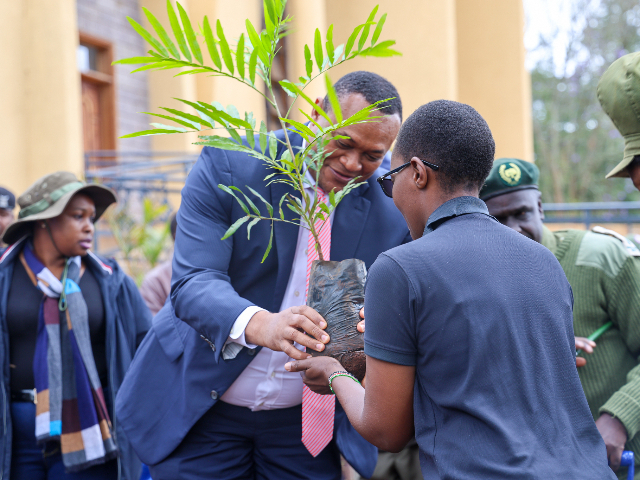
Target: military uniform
{"type": "Point", "coordinates": [604, 273]}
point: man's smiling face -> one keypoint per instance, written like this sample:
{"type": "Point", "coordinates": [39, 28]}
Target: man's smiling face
{"type": "Point", "coordinates": [362, 153]}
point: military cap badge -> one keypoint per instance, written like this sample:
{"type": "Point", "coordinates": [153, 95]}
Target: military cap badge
{"type": "Point", "coordinates": [510, 174]}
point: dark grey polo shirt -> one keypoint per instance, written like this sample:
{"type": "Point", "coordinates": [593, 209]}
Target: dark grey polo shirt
{"type": "Point", "coordinates": [485, 316]}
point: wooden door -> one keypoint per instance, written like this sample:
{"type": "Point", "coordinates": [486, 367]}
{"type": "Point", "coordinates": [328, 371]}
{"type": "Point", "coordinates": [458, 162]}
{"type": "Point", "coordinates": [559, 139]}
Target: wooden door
{"type": "Point", "coordinates": [91, 116]}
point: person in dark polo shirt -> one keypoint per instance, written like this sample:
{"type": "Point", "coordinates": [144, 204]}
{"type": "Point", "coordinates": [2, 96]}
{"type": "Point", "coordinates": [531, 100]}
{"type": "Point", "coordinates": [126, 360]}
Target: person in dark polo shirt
{"type": "Point", "coordinates": [603, 269]}
{"type": "Point", "coordinates": [463, 349]}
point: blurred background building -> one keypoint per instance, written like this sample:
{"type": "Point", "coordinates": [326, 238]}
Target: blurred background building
{"type": "Point", "coordinates": [64, 105]}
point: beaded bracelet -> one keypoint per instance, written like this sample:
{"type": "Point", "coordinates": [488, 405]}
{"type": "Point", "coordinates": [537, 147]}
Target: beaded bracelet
{"type": "Point", "coordinates": [341, 373]}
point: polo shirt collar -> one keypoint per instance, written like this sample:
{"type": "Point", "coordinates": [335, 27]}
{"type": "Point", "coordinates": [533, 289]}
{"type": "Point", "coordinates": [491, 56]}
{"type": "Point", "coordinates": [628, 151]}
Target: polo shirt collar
{"type": "Point", "coordinates": [454, 208]}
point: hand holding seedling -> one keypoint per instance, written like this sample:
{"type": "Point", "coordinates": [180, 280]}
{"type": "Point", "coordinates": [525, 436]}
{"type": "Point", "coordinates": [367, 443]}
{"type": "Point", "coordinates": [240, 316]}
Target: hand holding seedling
{"type": "Point", "coordinates": [279, 331]}
{"type": "Point", "coordinates": [361, 323]}
{"type": "Point", "coordinates": [316, 372]}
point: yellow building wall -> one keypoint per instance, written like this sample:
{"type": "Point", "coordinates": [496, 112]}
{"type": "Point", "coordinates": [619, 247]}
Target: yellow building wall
{"type": "Point", "coordinates": [492, 77]}
{"type": "Point", "coordinates": [425, 35]}
{"type": "Point", "coordinates": [463, 50]}
{"type": "Point", "coordinates": [307, 16]}
{"type": "Point", "coordinates": [466, 50]}
{"type": "Point", "coordinates": [470, 51]}
{"type": "Point", "coordinates": [164, 86]}
{"type": "Point", "coordinates": [40, 128]}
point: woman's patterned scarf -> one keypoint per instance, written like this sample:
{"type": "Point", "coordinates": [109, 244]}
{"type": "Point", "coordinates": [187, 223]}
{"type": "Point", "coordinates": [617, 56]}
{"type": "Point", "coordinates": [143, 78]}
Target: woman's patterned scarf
{"type": "Point", "coordinates": [70, 403]}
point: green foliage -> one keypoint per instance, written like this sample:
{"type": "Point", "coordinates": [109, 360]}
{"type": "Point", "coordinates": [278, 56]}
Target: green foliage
{"type": "Point", "coordinates": [141, 242]}
{"type": "Point", "coordinates": [575, 142]}
{"type": "Point", "coordinates": [253, 56]}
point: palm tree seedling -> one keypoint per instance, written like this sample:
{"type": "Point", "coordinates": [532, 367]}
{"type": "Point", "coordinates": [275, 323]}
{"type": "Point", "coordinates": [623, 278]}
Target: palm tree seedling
{"type": "Point", "coordinates": [250, 61]}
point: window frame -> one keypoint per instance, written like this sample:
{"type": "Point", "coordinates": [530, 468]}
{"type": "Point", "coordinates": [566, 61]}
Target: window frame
{"type": "Point", "coordinates": [105, 79]}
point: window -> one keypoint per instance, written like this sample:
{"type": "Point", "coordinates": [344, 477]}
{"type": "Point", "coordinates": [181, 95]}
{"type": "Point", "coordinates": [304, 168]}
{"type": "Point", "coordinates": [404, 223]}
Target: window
{"type": "Point", "coordinates": [94, 58]}
{"type": "Point", "coordinates": [87, 58]}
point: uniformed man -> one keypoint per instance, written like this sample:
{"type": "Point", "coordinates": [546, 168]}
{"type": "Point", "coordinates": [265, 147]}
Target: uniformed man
{"type": "Point", "coordinates": [7, 204]}
{"type": "Point", "coordinates": [604, 272]}
{"type": "Point", "coordinates": [619, 95]}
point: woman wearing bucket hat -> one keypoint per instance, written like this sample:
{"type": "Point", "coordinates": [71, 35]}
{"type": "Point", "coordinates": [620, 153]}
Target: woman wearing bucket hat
{"type": "Point", "coordinates": [71, 322]}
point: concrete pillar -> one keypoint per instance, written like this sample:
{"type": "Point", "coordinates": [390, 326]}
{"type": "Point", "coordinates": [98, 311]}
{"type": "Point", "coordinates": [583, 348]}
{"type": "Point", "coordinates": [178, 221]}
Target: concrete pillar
{"type": "Point", "coordinates": [41, 130]}
{"type": "Point", "coordinates": [492, 77]}
{"type": "Point", "coordinates": [163, 86]}
{"type": "Point", "coordinates": [14, 161]}
{"type": "Point", "coordinates": [425, 35]}
{"type": "Point", "coordinates": [307, 16]}
{"type": "Point", "coordinates": [232, 16]}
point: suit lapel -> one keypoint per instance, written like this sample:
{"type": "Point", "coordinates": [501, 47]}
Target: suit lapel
{"type": "Point", "coordinates": [285, 234]}
{"type": "Point", "coordinates": [348, 223]}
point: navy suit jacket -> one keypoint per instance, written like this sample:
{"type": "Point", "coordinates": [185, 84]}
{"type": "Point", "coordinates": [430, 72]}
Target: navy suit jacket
{"type": "Point", "coordinates": [178, 372]}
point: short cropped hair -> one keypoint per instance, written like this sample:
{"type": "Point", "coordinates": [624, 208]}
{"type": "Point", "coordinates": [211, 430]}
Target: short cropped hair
{"type": "Point", "coordinates": [372, 87]}
{"type": "Point", "coordinates": [455, 137]}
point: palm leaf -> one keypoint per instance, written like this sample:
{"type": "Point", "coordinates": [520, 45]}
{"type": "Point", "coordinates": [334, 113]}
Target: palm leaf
{"type": "Point", "coordinates": [157, 26]}
{"type": "Point", "coordinates": [240, 56]}
{"type": "Point", "coordinates": [177, 31]}
{"type": "Point", "coordinates": [224, 47]}
{"type": "Point", "coordinates": [148, 37]}
{"type": "Point", "coordinates": [191, 35]}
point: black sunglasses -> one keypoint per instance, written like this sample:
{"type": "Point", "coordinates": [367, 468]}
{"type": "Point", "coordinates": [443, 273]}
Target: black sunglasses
{"type": "Point", "coordinates": [386, 183]}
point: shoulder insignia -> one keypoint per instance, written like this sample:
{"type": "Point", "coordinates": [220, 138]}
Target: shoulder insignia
{"type": "Point", "coordinates": [629, 246]}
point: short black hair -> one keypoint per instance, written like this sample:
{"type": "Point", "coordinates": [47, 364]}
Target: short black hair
{"type": "Point", "coordinates": [372, 87]}
{"type": "Point", "coordinates": [173, 224]}
{"type": "Point", "coordinates": [455, 137]}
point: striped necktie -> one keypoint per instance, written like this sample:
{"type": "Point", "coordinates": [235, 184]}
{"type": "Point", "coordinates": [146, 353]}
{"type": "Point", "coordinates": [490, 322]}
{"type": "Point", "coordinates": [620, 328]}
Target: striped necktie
{"type": "Point", "coordinates": [318, 411]}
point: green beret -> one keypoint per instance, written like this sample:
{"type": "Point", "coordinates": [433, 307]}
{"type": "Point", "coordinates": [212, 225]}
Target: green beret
{"type": "Point", "coordinates": [508, 175]}
{"type": "Point", "coordinates": [619, 95]}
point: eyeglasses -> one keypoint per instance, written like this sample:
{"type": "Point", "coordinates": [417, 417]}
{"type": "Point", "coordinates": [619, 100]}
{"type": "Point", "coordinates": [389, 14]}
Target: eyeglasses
{"type": "Point", "coordinates": [386, 181]}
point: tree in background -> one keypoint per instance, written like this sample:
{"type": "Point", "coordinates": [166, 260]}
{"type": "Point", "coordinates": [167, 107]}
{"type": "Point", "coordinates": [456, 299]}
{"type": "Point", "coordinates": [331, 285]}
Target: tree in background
{"type": "Point", "coordinates": [575, 143]}
{"type": "Point", "coordinates": [142, 242]}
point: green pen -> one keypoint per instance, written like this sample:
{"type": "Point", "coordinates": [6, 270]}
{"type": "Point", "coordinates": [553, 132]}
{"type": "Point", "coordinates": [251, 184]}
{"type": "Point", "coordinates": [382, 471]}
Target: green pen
{"type": "Point", "coordinates": [595, 335]}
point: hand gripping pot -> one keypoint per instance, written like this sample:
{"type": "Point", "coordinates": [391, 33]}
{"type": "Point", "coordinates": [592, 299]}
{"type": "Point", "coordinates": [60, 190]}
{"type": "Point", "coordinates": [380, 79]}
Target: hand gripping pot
{"type": "Point", "coordinates": [336, 291]}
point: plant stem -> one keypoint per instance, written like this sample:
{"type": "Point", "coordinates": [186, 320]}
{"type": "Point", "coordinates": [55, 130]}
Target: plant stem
{"type": "Point", "coordinates": [300, 183]}
{"type": "Point", "coordinates": [274, 219]}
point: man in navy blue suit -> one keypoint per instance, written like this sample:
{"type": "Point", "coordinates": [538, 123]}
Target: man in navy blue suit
{"type": "Point", "coordinates": [207, 395]}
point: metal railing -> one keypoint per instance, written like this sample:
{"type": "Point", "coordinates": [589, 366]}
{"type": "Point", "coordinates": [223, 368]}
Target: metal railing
{"type": "Point", "coordinates": [590, 213]}
{"type": "Point", "coordinates": [145, 172]}
{"type": "Point", "coordinates": [160, 175]}
{"type": "Point", "coordinates": [136, 176]}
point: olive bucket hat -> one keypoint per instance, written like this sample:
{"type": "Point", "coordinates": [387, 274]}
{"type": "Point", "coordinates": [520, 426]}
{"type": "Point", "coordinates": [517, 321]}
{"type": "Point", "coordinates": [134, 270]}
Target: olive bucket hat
{"type": "Point", "coordinates": [619, 95]}
{"type": "Point", "coordinates": [48, 197]}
